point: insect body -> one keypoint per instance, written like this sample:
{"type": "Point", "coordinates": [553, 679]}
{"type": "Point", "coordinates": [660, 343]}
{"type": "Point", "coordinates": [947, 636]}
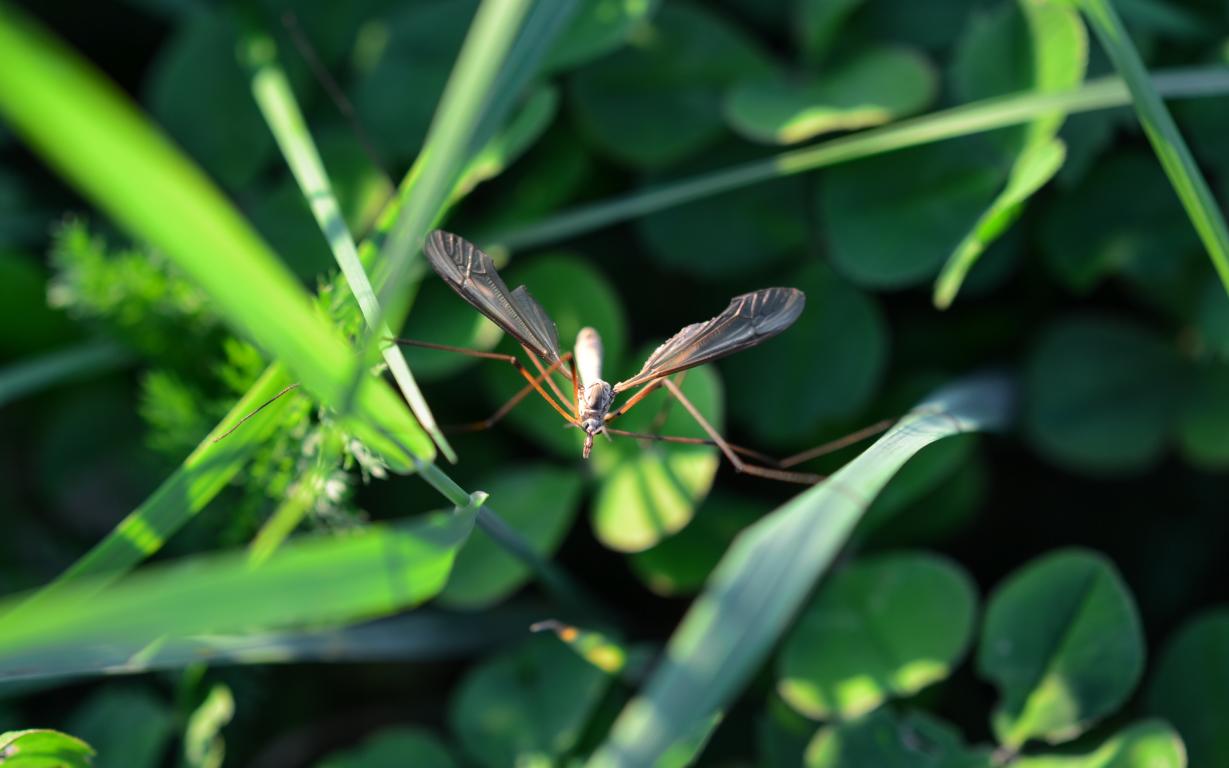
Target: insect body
{"type": "Point", "coordinates": [748, 320]}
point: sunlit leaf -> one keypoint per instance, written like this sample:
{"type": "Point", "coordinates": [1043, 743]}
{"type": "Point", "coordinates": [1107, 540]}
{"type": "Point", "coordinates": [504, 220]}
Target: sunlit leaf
{"type": "Point", "coordinates": [679, 564]}
{"type": "Point", "coordinates": [885, 740]}
{"type": "Point", "coordinates": [1063, 644]}
{"type": "Point", "coordinates": [649, 491]}
{"type": "Point", "coordinates": [876, 86]}
{"type": "Point", "coordinates": [658, 99]}
{"type": "Point", "coordinates": [1148, 744]}
{"type": "Point", "coordinates": [881, 628]}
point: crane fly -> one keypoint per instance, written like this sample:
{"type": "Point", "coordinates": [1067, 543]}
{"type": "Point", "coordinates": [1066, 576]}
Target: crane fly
{"type": "Point", "coordinates": [747, 321]}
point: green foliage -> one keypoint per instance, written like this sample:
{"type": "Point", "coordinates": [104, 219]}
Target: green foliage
{"type": "Point", "coordinates": [881, 628]}
{"type": "Point", "coordinates": [658, 100]}
{"type": "Point", "coordinates": [1096, 301]}
{"type": "Point", "coordinates": [199, 93]}
{"type": "Point", "coordinates": [839, 346]}
{"type": "Point", "coordinates": [1188, 686]}
{"type": "Point", "coordinates": [769, 570]}
{"type": "Point", "coordinates": [1063, 644]}
{"type": "Point", "coordinates": [203, 743]}
{"type": "Point", "coordinates": [540, 502]}
{"type": "Point", "coordinates": [914, 740]}
{"type": "Point", "coordinates": [730, 235]}
{"type": "Point", "coordinates": [43, 748]}
{"type": "Point", "coordinates": [876, 87]}
{"type": "Point", "coordinates": [1101, 394]}
{"type": "Point", "coordinates": [527, 705]}
{"type": "Point", "coordinates": [394, 746]}
{"type": "Point", "coordinates": [351, 579]}
{"type": "Point", "coordinates": [129, 727]}
{"type": "Point", "coordinates": [1148, 744]}
{"type": "Point", "coordinates": [650, 491]}
{"type": "Point", "coordinates": [679, 564]}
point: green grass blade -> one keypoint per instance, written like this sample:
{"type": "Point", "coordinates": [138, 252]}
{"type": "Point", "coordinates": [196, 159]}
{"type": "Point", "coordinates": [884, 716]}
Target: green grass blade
{"type": "Point", "coordinates": [97, 140]}
{"type": "Point", "coordinates": [285, 120]}
{"type": "Point", "coordinates": [964, 120]}
{"type": "Point", "coordinates": [423, 635]}
{"type": "Point", "coordinates": [72, 364]}
{"type": "Point", "coordinates": [314, 580]}
{"type": "Point", "coordinates": [202, 476]}
{"type": "Point", "coordinates": [1166, 140]}
{"type": "Point", "coordinates": [769, 570]}
{"type": "Point", "coordinates": [1032, 169]}
{"type": "Point", "coordinates": [445, 151]}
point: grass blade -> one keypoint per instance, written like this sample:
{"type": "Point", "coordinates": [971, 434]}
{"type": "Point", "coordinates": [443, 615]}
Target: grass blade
{"type": "Point", "coordinates": [1166, 140]}
{"type": "Point", "coordinates": [418, 636]}
{"type": "Point", "coordinates": [767, 573]}
{"type": "Point", "coordinates": [97, 140]}
{"type": "Point", "coordinates": [202, 476]}
{"type": "Point", "coordinates": [78, 362]}
{"type": "Point", "coordinates": [285, 120]}
{"type": "Point", "coordinates": [314, 580]}
{"type": "Point", "coordinates": [964, 120]}
{"type": "Point", "coordinates": [452, 130]}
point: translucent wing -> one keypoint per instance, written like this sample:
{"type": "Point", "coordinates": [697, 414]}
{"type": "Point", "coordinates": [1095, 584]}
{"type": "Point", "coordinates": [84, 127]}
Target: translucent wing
{"type": "Point", "coordinates": [750, 319]}
{"type": "Point", "coordinates": [471, 273]}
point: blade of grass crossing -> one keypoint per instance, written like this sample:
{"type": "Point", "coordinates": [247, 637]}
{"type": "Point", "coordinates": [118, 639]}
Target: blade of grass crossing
{"type": "Point", "coordinates": [766, 574]}
{"type": "Point", "coordinates": [202, 476]}
{"type": "Point", "coordinates": [281, 112]}
{"type": "Point", "coordinates": [96, 139]}
{"type": "Point", "coordinates": [453, 127]}
{"type": "Point", "coordinates": [964, 120]}
{"type": "Point", "coordinates": [64, 365]}
{"type": "Point", "coordinates": [1166, 140]}
{"type": "Point", "coordinates": [423, 635]}
{"type": "Point", "coordinates": [312, 581]}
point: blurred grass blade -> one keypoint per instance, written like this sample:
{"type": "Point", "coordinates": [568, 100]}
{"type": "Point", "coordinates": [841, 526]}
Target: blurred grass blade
{"type": "Point", "coordinates": [313, 580]}
{"type": "Point", "coordinates": [88, 130]}
{"type": "Point", "coordinates": [1031, 171]}
{"type": "Point", "coordinates": [202, 475]}
{"type": "Point", "coordinates": [422, 635]}
{"type": "Point", "coordinates": [1166, 140]}
{"type": "Point", "coordinates": [87, 359]}
{"type": "Point", "coordinates": [769, 570]}
{"type": "Point", "coordinates": [312, 484]}
{"type": "Point", "coordinates": [454, 126]}
{"type": "Point", "coordinates": [964, 120]}
{"type": "Point", "coordinates": [285, 120]}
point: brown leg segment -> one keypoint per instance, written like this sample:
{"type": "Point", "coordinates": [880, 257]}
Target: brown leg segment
{"type": "Point", "coordinates": [493, 419]}
{"type": "Point", "coordinates": [510, 359]}
{"type": "Point", "coordinates": [806, 478]}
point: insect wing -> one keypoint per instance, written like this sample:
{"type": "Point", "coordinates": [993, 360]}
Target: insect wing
{"type": "Point", "coordinates": [749, 319]}
{"type": "Point", "coordinates": [471, 273]}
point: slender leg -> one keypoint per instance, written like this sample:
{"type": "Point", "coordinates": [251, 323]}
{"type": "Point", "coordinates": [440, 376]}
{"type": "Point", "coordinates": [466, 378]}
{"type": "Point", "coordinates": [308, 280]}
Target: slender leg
{"type": "Point", "coordinates": [839, 443]}
{"type": "Point", "coordinates": [510, 359]}
{"type": "Point", "coordinates": [550, 381]}
{"type": "Point", "coordinates": [740, 450]}
{"type": "Point", "coordinates": [259, 408]}
{"type": "Point", "coordinates": [575, 386]}
{"type": "Point", "coordinates": [493, 419]}
{"type": "Point", "coordinates": [739, 465]}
